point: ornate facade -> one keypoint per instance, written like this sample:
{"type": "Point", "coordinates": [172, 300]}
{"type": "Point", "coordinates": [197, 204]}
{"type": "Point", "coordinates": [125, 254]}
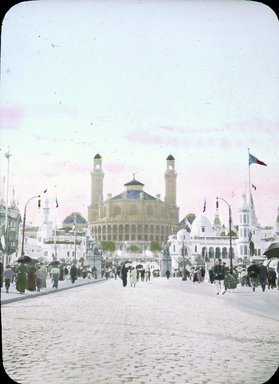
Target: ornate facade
{"type": "Point", "coordinates": [133, 216]}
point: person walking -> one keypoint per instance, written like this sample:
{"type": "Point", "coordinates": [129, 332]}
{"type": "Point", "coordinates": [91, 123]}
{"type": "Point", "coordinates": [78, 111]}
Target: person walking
{"type": "Point", "coordinates": [73, 273]}
{"type": "Point", "coordinates": [39, 278]}
{"type": "Point", "coordinates": [21, 278]}
{"type": "Point", "coordinates": [124, 272]}
{"type": "Point", "coordinates": [271, 278]}
{"type": "Point", "coordinates": [263, 275]}
{"type": "Point", "coordinates": [219, 277]}
{"type": "Point", "coordinates": [148, 274]}
{"type": "Point", "coordinates": [253, 274]}
{"type": "Point", "coordinates": [54, 272]}
{"type": "Point", "coordinates": [133, 277]}
{"type": "Point", "coordinates": [8, 276]}
{"type": "Point", "coordinates": [31, 279]}
{"type": "Point", "coordinates": [45, 272]}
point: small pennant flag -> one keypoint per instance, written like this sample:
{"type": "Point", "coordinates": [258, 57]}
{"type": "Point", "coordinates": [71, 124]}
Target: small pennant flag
{"type": "Point", "coordinates": [253, 186]}
{"type": "Point", "coordinates": [45, 191]}
{"type": "Point", "coordinates": [56, 203]}
{"type": "Point", "coordinates": [254, 160]}
{"type": "Point", "coordinates": [204, 205]}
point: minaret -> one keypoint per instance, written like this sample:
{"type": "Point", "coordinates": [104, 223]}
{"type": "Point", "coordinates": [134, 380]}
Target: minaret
{"type": "Point", "coordinates": [97, 177]}
{"type": "Point", "coordinates": [217, 223]}
{"type": "Point", "coordinates": [46, 227]}
{"type": "Point", "coordinates": [170, 192]}
{"type": "Point", "coordinates": [243, 232]}
{"type": "Point", "coordinates": [170, 182]}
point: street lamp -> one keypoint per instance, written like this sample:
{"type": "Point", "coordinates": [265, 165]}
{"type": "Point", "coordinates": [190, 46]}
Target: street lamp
{"type": "Point", "coordinates": [24, 220]}
{"type": "Point", "coordinates": [184, 277]}
{"type": "Point", "coordinates": [230, 230]}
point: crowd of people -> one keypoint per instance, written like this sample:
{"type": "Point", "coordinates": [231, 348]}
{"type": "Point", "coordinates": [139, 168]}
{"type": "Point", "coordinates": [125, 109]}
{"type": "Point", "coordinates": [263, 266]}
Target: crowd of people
{"type": "Point", "coordinates": [33, 277]}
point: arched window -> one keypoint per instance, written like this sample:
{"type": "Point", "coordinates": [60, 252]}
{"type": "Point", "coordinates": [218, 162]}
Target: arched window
{"type": "Point", "coordinates": [120, 228]}
{"type": "Point", "coordinates": [218, 253]}
{"type": "Point", "coordinates": [133, 228]}
{"type": "Point", "coordinates": [224, 253]}
{"type": "Point", "coordinates": [211, 252]}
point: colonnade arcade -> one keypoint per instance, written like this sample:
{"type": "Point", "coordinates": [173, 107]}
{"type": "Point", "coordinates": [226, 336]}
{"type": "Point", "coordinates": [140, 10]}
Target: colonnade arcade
{"type": "Point", "coordinates": [217, 253]}
{"type": "Point", "coordinates": [130, 232]}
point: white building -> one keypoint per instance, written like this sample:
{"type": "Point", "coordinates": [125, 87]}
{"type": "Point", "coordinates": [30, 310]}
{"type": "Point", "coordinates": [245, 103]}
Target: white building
{"type": "Point", "coordinates": [49, 243]}
{"type": "Point", "coordinates": [209, 241]}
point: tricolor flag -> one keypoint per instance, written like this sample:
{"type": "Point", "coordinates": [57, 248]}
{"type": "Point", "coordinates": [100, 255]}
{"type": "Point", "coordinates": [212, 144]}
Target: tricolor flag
{"type": "Point", "coordinates": [254, 160]}
{"type": "Point", "coordinates": [253, 186]}
{"type": "Point", "coordinates": [204, 205]}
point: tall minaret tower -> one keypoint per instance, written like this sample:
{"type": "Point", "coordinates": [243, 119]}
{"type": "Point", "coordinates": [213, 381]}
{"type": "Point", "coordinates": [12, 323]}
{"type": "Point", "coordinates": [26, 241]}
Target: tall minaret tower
{"type": "Point", "coordinates": [170, 182]}
{"type": "Point", "coordinates": [244, 228]}
{"type": "Point", "coordinates": [97, 177]}
{"type": "Point", "coordinates": [170, 189]}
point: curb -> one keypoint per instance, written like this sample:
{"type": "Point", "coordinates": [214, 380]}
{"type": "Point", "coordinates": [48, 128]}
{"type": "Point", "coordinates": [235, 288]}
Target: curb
{"type": "Point", "coordinates": [43, 293]}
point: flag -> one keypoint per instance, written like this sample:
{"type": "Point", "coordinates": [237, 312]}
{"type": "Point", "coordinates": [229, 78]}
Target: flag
{"type": "Point", "coordinates": [45, 191]}
{"type": "Point", "coordinates": [56, 203]}
{"type": "Point", "coordinates": [204, 205]}
{"type": "Point", "coordinates": [254, 160]}
{"type": "Point", "coordinates": [253, 186]}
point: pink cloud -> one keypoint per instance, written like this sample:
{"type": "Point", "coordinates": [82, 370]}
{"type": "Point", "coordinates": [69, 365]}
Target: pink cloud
{"type": "Point", "coordinates": [10, 118]}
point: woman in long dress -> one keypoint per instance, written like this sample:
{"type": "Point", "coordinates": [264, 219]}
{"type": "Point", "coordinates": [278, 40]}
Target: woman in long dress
{"type": "Point", "coordinates": [133, 277]}
{"type": "Point", "coordinates": [21, 278]}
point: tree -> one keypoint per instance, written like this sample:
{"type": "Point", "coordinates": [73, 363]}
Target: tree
{"type": "Point", "coordinates": [108, 246]}
{"type": "Point", "coordinates": [155, 246]}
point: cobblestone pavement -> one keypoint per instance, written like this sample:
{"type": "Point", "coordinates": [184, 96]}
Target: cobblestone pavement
{"type": "Point", "coordinates": [163, 331]}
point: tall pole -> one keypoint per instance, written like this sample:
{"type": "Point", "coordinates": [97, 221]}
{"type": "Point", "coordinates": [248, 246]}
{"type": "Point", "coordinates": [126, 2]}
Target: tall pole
{"type": "Point", "coordinates": [75, 234]}
{"type": "Point", "coordinates": [8, 155]}
{"type": "Point", "coordinates": [183, 254]}
{"type": "Point", "coordinates": [249, 191]}
{"type": "Point", "coordinates": [230, 231]}
{"type": "Point", "coordinates": [24, 221]}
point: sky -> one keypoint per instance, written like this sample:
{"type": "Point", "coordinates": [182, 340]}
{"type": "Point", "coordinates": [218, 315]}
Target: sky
{"type": "Point", "coordinates": [136, 81]}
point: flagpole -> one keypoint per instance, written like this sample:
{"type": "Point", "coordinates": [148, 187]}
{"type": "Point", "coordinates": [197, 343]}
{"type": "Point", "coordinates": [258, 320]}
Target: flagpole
{"type": "Point", "coordinates": [249, 190]}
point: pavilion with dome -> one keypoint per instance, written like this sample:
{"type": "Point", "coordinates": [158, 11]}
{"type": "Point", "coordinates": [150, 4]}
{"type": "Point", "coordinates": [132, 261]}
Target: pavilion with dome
{"type": "Point", "coordinates": [132, 217]}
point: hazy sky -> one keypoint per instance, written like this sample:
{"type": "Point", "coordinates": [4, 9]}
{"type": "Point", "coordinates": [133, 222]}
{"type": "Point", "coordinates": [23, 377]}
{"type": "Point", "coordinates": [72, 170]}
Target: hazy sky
{"type": "Point", "coordinates": [136, 81]}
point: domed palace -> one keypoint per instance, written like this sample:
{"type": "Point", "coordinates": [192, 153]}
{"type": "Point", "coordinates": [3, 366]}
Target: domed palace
{"type": "Point", "coordinates": [132, 217]}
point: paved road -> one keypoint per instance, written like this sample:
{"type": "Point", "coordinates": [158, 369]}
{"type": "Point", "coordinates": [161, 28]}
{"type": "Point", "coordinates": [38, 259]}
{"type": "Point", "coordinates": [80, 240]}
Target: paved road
{"type": "Point", "coordinates": [163, 331]}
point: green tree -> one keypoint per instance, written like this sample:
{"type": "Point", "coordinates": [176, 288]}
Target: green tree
{"type": "Point", "coordinates": [108, 246]}
{"type": "Point", "coordinates": [155, 246]}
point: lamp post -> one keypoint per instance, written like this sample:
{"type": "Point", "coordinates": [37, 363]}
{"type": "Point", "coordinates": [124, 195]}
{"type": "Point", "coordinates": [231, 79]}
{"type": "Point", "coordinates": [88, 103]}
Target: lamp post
{"type": "Point", "coordinates": [184, 277]}
{"type": "Point", "coordinates": [230, 230]}
{"type": "Point", "coordinates": [24, 221]}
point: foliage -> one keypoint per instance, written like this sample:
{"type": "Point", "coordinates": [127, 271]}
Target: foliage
{"type": "Point", "coordinates": [108, 246]}
{"type": "Point", "coordinates": [134, 249]}
{"type": "Point", "coordinates": [155, 246]}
